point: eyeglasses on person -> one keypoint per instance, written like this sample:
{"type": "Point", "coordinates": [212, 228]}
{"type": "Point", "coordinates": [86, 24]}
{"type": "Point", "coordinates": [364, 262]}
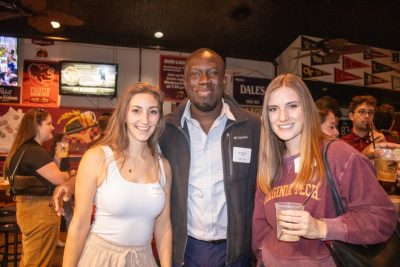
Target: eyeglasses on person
{"type": "Point", "coordinates": [363, 112]}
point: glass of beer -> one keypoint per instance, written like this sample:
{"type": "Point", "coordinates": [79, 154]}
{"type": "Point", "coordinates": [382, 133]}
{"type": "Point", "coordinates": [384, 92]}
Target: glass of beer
{"type": "Point", "coordinates": [386, 162]}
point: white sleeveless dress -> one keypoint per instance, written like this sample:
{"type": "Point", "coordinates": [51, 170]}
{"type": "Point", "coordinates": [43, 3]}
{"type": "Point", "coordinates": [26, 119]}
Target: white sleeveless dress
{"type": "Point", "coordinates": [122, 230]}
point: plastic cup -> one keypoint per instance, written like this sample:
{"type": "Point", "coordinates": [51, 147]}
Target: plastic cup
{"type": "Point", "coordinates": [286, 206]}
{"type": "Point", "coordinates": [386, 161]}
{"type": "Point", "coordinates": [62, 149]}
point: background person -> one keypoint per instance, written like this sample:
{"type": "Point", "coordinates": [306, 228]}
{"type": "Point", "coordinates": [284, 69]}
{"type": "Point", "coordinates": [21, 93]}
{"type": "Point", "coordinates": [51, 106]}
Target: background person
{"type": "Point", "coordinates": [11, 60]}
{"type": "Point", "coordinates": [328, 122]}
{"type": "Point", "coordinates": [361, 113]}
{"type": "Point", "coordinates": [36, 218]}
{"type": "Point", "coordinates": [130, 188]}
{"type": "Point", "coordinates": [291, 167]}
{"type": "Point", "coordinates": [384, 121]}
{"type": "Point", "coordinates": [212, 145]}
{"type": "Point", "coordinates": [331, 104]}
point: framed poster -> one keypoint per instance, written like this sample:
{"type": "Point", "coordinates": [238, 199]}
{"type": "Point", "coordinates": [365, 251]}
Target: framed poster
{"type": "Point", "coordinates": [40, 83]}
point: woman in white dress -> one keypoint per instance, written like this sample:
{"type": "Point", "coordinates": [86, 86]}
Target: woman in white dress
{"type": "Point", "coordinates": [128, 180]}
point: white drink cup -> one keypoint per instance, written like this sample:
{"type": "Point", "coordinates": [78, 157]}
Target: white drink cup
{"type": "Point", "coordinates": [286, 206]}
{"type": "Point", "coordinates": [62, 149]}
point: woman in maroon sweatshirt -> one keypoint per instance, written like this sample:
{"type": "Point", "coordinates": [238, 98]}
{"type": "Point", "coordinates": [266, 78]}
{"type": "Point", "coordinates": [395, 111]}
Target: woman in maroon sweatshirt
{"type": "Point", "coordinates": [291, 168]}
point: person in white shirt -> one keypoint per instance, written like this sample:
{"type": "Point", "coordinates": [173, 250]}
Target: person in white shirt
{"type": "Point", "coordinates": [129, 181]}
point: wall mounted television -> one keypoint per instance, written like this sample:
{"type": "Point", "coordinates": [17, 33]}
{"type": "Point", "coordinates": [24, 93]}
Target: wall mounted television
{"type": "Point", "coordinates": [88, 78]}
{"type": "Point", "coordinates": [8, 61]}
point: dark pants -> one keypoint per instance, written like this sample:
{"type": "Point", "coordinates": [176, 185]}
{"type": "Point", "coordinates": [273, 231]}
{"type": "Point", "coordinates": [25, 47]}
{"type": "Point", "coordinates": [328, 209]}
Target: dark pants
{"type": "Point", "coordinates": [204, 254]}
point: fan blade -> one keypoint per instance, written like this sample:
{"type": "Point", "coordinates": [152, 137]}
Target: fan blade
{"type": "Point", "coordinates": [63, 18]}
{"type": "Point", "coordinates": [336, 44]}
{"type": "Point", "coordinates": [9, 15]}
{"type": "Point", "coordinates": [303, 55]}
{"type": "Point", "coordinates": [34, 5]}
{"type": "Point", "coordinates": [41, 24]}
{"type": "Point", "coordinates": [353, 48]}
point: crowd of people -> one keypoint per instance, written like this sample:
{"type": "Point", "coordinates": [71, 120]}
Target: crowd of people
{"type": "Point", "coordinates": [203, 180]}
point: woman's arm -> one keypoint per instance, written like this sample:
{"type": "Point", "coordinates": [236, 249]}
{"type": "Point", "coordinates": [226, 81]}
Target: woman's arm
{"type": "Point", "coordinates": [370, 215]}
{"type": "Point", "coordinates": [52, 173]}
{"type": "Point", "coordinates": [162, 227]}
{"type": "Point", "coordinates": [85, 189]}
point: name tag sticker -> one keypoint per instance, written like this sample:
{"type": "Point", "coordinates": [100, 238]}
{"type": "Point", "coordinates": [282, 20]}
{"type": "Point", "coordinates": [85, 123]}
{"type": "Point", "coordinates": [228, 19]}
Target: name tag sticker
{"type": "Point", "coordinates": [241, 154]}
{"type": "Point", "coordinates": [156, 191]}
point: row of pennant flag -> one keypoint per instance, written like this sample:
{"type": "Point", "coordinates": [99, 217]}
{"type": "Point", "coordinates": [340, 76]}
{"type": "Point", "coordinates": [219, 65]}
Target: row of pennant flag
{"type": "Point", "coordinates": [362, 67]}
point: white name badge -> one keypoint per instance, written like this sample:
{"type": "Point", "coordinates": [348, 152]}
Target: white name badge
{"type": "Point", "coordinates": [241, 154]}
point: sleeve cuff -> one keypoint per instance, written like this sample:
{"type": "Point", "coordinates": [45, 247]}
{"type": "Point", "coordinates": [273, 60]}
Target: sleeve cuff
{"type": "Point", "coordinates": [336, 229]}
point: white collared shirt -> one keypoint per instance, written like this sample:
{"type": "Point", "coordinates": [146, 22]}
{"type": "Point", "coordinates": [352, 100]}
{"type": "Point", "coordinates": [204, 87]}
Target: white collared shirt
{"type": "Point", "coordinates": [207, 211]}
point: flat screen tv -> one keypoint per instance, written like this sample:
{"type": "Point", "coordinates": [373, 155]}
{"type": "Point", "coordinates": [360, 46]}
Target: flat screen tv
{"type": "Point", "coordinates": [88, 78]}
{"type": "Point", "coordinates": [8, 61]}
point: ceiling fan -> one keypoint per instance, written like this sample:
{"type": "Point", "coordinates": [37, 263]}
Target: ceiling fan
{"type": "Point", "coordinates": [38, 16]}
{"type": "Point", "coordinates": [330, 48]}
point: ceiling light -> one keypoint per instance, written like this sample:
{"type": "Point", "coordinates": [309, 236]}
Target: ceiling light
{"type": "Point", "coordinates": [55, 24]}
{"type": "Point", "coordinates": [158, 35]}
{"type": "Point", "coordinates": [56, 38]}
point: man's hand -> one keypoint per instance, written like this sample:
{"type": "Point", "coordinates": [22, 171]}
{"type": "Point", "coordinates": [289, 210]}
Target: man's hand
{"type": "Point", "coordinates": [63, 192]}
{"type": "Point", "coordinates": [369, 151]}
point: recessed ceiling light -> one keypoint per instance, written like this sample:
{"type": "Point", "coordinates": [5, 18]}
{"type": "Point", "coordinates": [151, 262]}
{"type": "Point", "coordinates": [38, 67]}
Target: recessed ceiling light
{"type": "Point", "coordinates": [55, 24]}
{"type": "Point", "coordinates": [56, 38]}
{"type": "Point", "coordinates": [158, 35]}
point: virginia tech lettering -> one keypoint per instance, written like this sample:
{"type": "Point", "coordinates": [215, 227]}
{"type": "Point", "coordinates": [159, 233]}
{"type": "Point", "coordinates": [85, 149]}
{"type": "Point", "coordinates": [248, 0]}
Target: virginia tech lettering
{"type": "Point", "coordinates": [286, 190]}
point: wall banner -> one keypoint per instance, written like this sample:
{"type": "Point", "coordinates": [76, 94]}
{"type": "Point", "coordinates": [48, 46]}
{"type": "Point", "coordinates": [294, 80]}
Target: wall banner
{"type": "Point", "coordinates": [310, 72]}
{"type": "Point", "coordinates": [171, 77]}
{"type": "Point", "coordinates": [344, 76]}
{"type": "Point", "coordinates": [249, 91]}
{"type": "Point", "coordinates": [395, 82]}
{"type": "Point", "coordinates": [40, 83]}
{"type": "Point", "coordinates": [350, 63]}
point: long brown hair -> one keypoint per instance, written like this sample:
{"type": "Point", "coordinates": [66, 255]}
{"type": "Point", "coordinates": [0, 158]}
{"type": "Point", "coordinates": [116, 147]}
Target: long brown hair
{"type": "Point", "coordinates": [116, 133]}
{"type": "Point", "coordinates": [27, 130]}
{"type": "Point", "coordinates": [272, 148]}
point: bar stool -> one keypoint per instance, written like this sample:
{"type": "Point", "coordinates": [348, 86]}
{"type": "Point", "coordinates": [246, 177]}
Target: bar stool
{"type": "Point", "coordinates": [8, 225]}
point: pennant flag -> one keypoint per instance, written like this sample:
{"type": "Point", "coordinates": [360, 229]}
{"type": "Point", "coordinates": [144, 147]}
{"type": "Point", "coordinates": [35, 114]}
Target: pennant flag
{"type": "Point", "coordinates": [350, 63]}
{"type": "Point", "coordinates": [372, 53]}
{"type": "Point", "coordinates": [308, 44]}
{"type": "Point", "coordinates": [370, 79]}
{"type": "Point", "coordinates": [330, 58]}
{"type": "Point", "coordinates": [379, 67]}
{"type": "Point", "coordinates": [309, 72]}
{"type": "Point", "coordinates": [395, 55]}
{"type": "Point", "coordinates": [343, 76]}
{"type": "Point", "coordinates": [395, 83]}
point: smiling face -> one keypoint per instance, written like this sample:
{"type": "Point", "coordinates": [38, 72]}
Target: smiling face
{"type": "Point", "coordinates": [142, 116]}
{"type": "Point", "coordinates": [205, 80]}
{"type": "Point", "coordinates": [44, 130]}
{"type": "Point", "coordinates": [286, 117]}
{"type": "Point", "coordinates": [329, 125]}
